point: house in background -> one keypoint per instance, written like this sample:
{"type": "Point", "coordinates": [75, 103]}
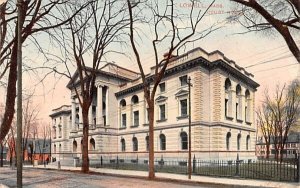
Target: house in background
{"type": "Point", "coordinates": [292, 147]}
{"type": "Point", "coordinates": [36, 149]}
{"type": "Point", "coordinates": [222, 112]}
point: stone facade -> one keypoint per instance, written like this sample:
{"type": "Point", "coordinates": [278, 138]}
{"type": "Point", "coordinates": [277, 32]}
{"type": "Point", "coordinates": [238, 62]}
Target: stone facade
{"type": "Point", "coordinates": [222, 111]}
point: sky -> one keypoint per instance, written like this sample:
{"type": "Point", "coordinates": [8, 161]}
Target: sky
{"type": "Point", "coordinates": [277, 65]}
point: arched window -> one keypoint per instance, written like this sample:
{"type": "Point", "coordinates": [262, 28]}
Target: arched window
{"type": "Point", "coordinates": [74, 146]}
{"type": "Point", "coordinates": [81, 145]}
{"type": "Point", "coordinates": [123, 145]}
{"type": "Point", "coordinates": [134, 99]}
{"type": "Point", "coordinates": [162, 139]}
{"type": "Point", "coordinates": [238, 104]}
{"type": "Point", "coordinates": [247, 105]}
{"type": "Point", "coordinates": [92, 144]}
{"type": "Point", "coordinates": [147, 143]}
{"type": "Point", "coordinates": [123, 103]}
{"type": "Point", "coordinates": [59, 148]}
{"type": "Point", "coordinates": [54, 148]}
{"type": "Point", "coordinates": [239, 141]}
{"type": "Point", "coordinates": [228, 136]}
{"type": "Point", "coordinates": [184, 140]}
{"type": "Point", "coordinates": [248, 142]}
{"type": "Point", "coordinates": [228, 98]}
{"type": "Point", "coordinates": [135, 144]}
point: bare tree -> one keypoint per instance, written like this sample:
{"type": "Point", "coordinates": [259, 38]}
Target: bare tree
{"type": "Point", "coordinates": [283, 16]}
{"type": "Point", "coordinates": [92, 31]}
{"type": "Point", "coordinates": [165, 21]}
{"type": "Point", "coordinates": [37, 16]}
{"type": "Point", "coordinates": [265, 123]}
{"type": "Point", "coordinates": [279, 114]}
{"type": "Point", "coordinates": [30, 114]}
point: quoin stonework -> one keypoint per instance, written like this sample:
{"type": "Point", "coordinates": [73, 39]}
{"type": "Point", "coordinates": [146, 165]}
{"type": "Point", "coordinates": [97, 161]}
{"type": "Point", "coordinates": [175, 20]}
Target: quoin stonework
{"type": "Point", "coordinates": [222, 112]}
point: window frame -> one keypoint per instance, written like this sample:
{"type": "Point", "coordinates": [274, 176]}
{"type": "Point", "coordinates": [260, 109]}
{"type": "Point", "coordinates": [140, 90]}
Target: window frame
{"type": "Point", "coordinates": [162, 142]}
{"type": "Point", "coordinates": [135, 144]}
{"type": "Point", "coordinates": [184, 143]}
{"type": "Point", "coordinates": [160, 87]}
{"type": "Point", "coordinates": [136, 118]}
{"type": "Point", "coordinates": [123, 120]}
{"type": "Point", "coordinates": [182, 79]}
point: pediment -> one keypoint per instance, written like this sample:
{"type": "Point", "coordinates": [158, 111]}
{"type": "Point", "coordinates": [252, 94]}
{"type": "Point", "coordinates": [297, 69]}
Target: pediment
{"type": "Point", "coordinates": [181, 93]}
{"type": "Point", "coordinates": [161, 99]}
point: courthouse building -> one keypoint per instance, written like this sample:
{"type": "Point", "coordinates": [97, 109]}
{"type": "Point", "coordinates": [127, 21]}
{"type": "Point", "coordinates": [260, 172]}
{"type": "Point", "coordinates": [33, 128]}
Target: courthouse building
{"type": "Point", "coordinates": [222, 112]}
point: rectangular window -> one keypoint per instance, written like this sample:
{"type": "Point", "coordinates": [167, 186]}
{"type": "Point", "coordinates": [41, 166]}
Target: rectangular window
{"type": "Point", "coordinates": [162, 111]}
{"type": "Point", "coordinates": [162, 87]}
{"type": "Point", "coordinates": [183, 80]}
{"type": "Point", "coordinates": [136, 118]}
{"type": "Point", "coordinates": [236, 110]}
{"type": "Point", "coordinates": [183, 107]}
{"type": "Point", "coordinates": [123, 120]}
{"type": "Point", "coordinates": [226, 107]}
{"type": "Point", "coordinates": [246, 118]}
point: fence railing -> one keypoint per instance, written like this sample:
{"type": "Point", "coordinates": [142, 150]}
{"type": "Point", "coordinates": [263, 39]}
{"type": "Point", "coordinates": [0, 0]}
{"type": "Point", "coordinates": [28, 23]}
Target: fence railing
{"type": "Point", "coordinates": [249, 169]}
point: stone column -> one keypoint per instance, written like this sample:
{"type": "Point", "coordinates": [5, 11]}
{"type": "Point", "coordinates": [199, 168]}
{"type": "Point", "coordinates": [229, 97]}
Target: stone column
{"type": "Point", "coordinates": [80, 117]}
{"type": "Point", "coordinates": [73, 114]}
{"type": "Point", "coordinates": [230, 103]}
{"type": "Point", "coordinates": [107, 113]}
{"type": "Point", "coordinates": [91, 115]}
{"type": "Point", "coordinates": [99, 116]}
{"type": "Point", "coordinates": [242, 107]}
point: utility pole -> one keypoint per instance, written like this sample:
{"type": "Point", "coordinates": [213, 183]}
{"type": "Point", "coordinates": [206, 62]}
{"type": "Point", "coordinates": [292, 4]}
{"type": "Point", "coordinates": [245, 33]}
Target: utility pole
{"type": "Point", "coordinates": [190, 132]}
{"type": "Point", "coordinates": [19, 97]}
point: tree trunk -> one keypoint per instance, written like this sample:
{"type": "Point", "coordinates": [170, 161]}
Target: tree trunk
{"type": "Point", "coordinates": [151, 174]}
{"type": "Point", "coordinates": [1, 155]}
{"type": "Point", "coordinates": [10, 95]}
{"type": "Point", "coordinates": [85, 152]}
{"type": "Point", "coordinates": [268, 150]}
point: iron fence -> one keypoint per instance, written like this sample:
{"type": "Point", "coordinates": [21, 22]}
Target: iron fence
{"type": "Point", "coordinates": [249, 169]}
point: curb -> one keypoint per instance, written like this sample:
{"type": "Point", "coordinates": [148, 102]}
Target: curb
{"type": "Point", "coordinates": [159, 179]}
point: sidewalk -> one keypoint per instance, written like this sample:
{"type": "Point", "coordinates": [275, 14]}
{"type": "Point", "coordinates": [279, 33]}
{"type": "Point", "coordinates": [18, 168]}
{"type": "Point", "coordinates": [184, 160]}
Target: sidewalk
{"type": "Point", "coordinates": [181, 178]}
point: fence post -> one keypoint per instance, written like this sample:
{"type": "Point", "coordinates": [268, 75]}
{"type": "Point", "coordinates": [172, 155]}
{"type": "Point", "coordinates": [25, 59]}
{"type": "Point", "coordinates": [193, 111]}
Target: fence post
{"type": "Point", "coordinates": [194, 164]}
{"type": "Point", "coordinates": [298, 169]}
{"type": "Point", "coordinates": [161, 163]}
{"type": "Point", "coordinates": [101, 161]}
{"type": "Point", "coordinates": [237, 165]}
{"type": "Point", "coordinates": [117, 162]}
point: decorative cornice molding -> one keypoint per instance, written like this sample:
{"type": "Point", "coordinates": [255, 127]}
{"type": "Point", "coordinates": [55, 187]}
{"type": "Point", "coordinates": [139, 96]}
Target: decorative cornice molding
{"type": "Point", "coordinates": [198, 62]}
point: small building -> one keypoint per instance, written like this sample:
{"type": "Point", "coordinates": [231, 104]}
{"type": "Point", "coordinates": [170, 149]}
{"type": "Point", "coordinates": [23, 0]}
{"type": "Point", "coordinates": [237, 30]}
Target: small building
{"type": "Point", "coordinates": [35, 149]}
{"type": "Point", "coordinates": [292, 147]}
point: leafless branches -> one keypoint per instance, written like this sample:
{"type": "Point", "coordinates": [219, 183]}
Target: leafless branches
{"type": "Point", "coordinates": [278, 115]}
{"type": "Point", "coordinates": [262, 15]}
{"type": "Point", "coordinates": [172, 28]}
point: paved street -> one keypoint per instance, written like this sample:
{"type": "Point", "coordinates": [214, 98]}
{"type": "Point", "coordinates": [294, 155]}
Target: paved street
{"type": "Point", "coordinates": [52, 178]}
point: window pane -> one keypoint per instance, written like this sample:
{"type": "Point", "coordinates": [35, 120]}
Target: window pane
{"type": "Point", "coordinates": [162, 87]}
{"type": "Point", "coordinates": [162, 142]}
{"type": "Point", "coordinates": [162, 109]}
{"type": "Point", "coordinates": [184, 141]}
{"type": "Point", "coordinates": [183, 106]}
{"type": "Point", "coordinates": [136, 118]}
{"type": "Point", "coordinates": [124, 120]}
{"type": "Point", "coordinates": [183, 80]}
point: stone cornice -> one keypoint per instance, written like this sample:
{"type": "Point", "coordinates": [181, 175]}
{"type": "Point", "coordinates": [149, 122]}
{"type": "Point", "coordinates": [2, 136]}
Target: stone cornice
{"type": "Point", "coordinates": [202, 62]}
{"type": "Point", "coordinates": [63, 112]}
